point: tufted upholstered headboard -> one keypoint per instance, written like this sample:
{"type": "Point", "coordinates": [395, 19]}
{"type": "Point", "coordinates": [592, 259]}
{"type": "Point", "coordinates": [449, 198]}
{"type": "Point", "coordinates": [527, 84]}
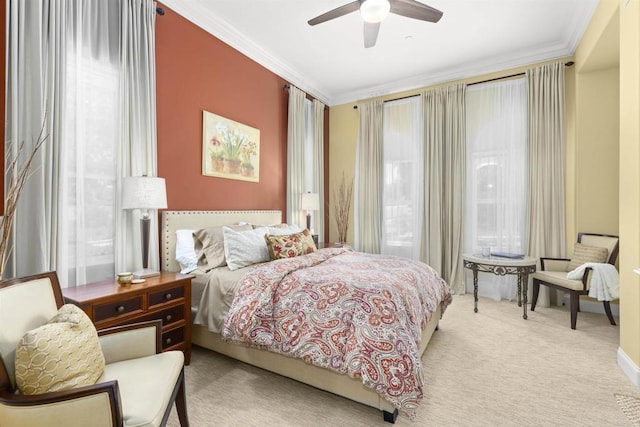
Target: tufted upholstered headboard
{"type": "Point", "coordinates": [195, 220]}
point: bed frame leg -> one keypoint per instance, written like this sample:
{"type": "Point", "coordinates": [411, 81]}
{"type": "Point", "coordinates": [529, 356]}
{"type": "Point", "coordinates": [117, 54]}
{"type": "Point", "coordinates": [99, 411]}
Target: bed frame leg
{"type": "Point", "coordinates": [390, 417]}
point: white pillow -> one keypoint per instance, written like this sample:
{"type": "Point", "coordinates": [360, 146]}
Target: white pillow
{"type": "Point", "coordinates": [185, 252]}
{"type": "Point", "coordinates": [243, 248]}
{"type": "Point", "coordinates": [284, 230]}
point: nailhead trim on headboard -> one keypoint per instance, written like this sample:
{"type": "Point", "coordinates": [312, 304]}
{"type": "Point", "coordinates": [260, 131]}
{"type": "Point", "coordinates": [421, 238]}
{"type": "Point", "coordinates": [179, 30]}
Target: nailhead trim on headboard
{"type": "Point", "coordinates": [176, 220]}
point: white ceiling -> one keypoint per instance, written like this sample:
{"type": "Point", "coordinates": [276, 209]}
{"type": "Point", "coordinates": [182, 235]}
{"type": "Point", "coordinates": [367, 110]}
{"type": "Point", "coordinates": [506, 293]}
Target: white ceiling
{"type": "Point", "coordinates": [329, 60]}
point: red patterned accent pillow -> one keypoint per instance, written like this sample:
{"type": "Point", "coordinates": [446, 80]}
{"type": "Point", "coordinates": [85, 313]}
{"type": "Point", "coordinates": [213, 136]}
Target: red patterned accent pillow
{"type": "Point", "coordinates": [290, 245]}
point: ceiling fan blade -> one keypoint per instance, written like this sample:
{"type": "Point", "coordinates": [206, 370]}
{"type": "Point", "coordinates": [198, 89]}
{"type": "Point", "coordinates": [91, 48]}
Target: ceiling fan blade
{"type": "Point", "coordinates": [415, 10]}
{"type": "Point", "coordinates": [335, 13]}
{"type": "Point", "coordinates": [371, 33]}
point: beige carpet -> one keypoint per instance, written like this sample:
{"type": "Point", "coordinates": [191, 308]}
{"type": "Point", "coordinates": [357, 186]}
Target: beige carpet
{"type": "Point", "coordinates": [486, 369]}
{"type": "Point", "coordinates": [630, 406]}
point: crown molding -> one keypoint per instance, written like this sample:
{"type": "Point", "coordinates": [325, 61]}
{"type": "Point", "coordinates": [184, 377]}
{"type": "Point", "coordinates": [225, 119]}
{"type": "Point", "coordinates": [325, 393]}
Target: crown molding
{"type": "Point", "coordinates": [222, 30]}
{"type": "Point", "coordinates": [490, 65]}
{"type": "Point", "coordinates": [582, 22]}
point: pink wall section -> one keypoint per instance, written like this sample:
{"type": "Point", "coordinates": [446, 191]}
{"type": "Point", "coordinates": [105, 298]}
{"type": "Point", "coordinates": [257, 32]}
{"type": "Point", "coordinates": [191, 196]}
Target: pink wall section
{"type": "Point", "coordinates": [195, 72]}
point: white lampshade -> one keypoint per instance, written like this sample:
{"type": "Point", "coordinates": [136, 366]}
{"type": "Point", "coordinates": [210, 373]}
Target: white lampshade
{"type": "Point", "coordinates": [374, 11]}
{"type": "Point", "coordinates": [310, 202]}
{"type": "Point", "coordinates": [144, 192]}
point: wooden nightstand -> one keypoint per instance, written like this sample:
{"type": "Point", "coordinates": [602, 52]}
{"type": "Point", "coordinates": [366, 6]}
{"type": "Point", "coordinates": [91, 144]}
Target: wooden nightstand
{"type": "Point", "coordinates": [166, 297]}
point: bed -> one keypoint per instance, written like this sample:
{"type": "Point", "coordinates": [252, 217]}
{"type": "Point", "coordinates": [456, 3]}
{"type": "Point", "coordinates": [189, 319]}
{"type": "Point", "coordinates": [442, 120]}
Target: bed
{"type": "Point", "coordinates": [298, 369]}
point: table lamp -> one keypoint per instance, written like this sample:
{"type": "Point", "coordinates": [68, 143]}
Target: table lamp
{"type": "Point", "coordinates": [310, 202]}
{"type": "Point", "coordinates": [144, 193]}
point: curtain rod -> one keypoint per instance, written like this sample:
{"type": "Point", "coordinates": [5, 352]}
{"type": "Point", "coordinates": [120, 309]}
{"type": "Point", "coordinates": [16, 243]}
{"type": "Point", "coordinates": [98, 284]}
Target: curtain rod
{"type": "Point", "coordinates": [309, 97]}
{"type": "Point", "coordinates": [160, 11]}
{"type": "Point", "coordinates": [567, 64]}
{"type": "Point", "coordinates": [355, 107]}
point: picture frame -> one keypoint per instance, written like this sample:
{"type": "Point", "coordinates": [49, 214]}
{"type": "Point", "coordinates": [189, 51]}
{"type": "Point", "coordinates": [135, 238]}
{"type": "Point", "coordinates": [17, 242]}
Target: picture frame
{"type": "Point", "coordinates": [230, 149]}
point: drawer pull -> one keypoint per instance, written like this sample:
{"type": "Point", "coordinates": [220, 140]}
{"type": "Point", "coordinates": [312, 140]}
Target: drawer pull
{"type": "Point", "coordinates": [167, 296]}
{"type": "Point", "coordinates": [168, 341]}
{"type": "Point", "coordinates": [168, 317]}
{"type": "Point", "coordinates": [120, 308]}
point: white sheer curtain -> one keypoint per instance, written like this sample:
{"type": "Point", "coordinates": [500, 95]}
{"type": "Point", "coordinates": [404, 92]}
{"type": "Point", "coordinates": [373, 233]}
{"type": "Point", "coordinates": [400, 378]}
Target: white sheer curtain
{"type": "Point", "coordinates": [137, 149]}
{"type": "Point", "coordinates": [317, 165]}
{"type": "Point", "coordinates": [545, 212]}
{"type": "Point", "coordinates": [444, 160]}
{"type": "Point", "coordinates": [66, 62]}
{"type": "Point", "coordinates": [496, 190]}
{"type": "Point", "coordinates": [403, 178]}
{"type": "Point", "coordinates": [368, 180]}
{"type": "Point", "coordinates": [295, 156]}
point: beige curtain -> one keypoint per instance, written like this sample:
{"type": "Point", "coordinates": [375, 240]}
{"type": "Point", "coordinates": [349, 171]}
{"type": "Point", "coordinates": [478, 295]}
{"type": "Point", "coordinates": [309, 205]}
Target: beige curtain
{"type": "Point", "coordinates": [369, 174]}
{"type": "Point", "coordinates": [318, 165]}
{"type": "Point", "coordinates": [444, 174]}
{"type": "Point", "coordinates": [545, 212]}
{"type": "Point", "coordinates": [295, 156]}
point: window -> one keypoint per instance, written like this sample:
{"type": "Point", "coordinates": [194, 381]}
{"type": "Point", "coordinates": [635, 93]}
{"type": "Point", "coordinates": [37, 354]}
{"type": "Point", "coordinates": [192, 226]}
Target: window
{"type": "Point", "coordinates": [496, 179]}
{"type": "Point", "coordinates": [91, 126]}
{"type": "Point", "coordinates": [403, 178]}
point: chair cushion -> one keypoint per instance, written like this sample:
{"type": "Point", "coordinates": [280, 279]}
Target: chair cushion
{"type": "Point", "coordinates": [291, 245]}
{"type": "Point", "coordinates": [558, 278]}
{"type": "Point", "coordinates": [146, 385]}
{"type": "Point", "coordinates": [60, 355]}
{"type": "Point", "coordinates": [586, 253]}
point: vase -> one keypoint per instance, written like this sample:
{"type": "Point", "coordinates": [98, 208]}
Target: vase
{"type": "Point", "coordinates": [247, 171]}
{"type": "Point", "coordinates": [217, 164]}
{"type": "Point", "coordinates": [232, 166]}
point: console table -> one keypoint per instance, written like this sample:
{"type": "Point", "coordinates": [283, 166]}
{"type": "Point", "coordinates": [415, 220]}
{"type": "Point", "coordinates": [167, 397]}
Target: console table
{"type": "Point", "coordinates": [521, 267]}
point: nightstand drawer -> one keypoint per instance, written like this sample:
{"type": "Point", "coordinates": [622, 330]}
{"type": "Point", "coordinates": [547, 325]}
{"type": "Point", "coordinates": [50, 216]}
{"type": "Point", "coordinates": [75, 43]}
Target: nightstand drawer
{"type": "Point", "coordinates": [168, 316]}
{"type": "Point", "coordinates": [172, 337]}
{"type": "Point", "coordinates": [116, 309]}
{"type": "Point", "coordinates": [165, 296]}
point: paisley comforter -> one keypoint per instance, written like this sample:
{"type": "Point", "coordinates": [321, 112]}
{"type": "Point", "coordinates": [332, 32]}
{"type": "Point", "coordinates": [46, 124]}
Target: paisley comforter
{"type": "Point", "coordinates": [357, 314]}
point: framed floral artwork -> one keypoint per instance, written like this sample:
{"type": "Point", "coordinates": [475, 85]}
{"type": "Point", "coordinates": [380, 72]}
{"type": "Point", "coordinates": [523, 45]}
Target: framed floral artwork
{"type": "Point", "coordinates": [229, 149]}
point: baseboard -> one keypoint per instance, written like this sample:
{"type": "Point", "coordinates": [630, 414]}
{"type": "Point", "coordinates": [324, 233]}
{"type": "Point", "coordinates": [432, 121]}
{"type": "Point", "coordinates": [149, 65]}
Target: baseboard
{"type": "Point", "coordinates": [592, 306]}
{"type": "Point", "coordinates": [629, 368]}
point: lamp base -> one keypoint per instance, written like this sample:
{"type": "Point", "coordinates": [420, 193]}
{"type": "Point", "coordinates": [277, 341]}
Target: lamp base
{"type": "Point", "coordinates": [144, 273]}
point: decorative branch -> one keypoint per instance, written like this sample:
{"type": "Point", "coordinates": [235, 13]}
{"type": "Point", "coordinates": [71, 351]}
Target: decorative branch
{"type": "Point", "coordinates": [342, 195]}
{"type": "Point", "coordinates": [18, 174]}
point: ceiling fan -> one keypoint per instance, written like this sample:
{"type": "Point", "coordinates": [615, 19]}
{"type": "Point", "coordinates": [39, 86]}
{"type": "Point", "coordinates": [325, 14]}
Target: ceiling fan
{"type": "Point", "coordinates": [374, 11]}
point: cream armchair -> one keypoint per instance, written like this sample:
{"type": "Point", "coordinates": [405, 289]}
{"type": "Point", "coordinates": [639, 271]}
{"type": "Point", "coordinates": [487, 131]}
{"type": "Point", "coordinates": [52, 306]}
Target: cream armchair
{"type": "Point", "coordinates": [137, 388]}
{"type": "Point", "coordinates": [554, 274]}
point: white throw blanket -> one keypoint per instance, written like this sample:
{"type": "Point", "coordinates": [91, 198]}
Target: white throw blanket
{"type": "Point", "coordinates": [604, 280]}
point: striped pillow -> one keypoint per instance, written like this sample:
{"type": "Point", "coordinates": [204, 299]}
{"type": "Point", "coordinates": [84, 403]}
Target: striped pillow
{"type": "Point", "coordinates": [586, 253]}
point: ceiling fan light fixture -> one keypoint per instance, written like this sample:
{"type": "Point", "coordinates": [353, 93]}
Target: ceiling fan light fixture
{"type": "Point", "coordinates": [374, 11]}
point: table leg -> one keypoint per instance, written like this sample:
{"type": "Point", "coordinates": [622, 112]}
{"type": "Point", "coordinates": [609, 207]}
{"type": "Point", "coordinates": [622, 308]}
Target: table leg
{"type": "Point", "coordinates": [525, 289]}
{"type": "Point", "coordinates": [475, 290]}
{"type": "Point", "coordinates": [519, 290]}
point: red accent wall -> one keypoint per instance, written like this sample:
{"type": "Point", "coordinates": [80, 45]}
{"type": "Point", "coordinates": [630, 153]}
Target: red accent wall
{"type": "Point", "coordinates": [196, 71]}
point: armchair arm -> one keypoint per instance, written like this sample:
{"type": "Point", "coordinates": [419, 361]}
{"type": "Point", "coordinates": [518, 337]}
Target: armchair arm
{"type": "Point", "coordinates": [131, 341]}
{"type": "Point", "coordinates": [94, 405]}
{"type": "Point", "coordinates": [554, 264]}
{"type": "Point", "coordinates": [586, 278]}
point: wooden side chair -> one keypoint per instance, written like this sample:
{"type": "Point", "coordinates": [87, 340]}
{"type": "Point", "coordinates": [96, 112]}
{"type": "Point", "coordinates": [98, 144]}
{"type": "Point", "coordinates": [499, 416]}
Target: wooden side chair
{"type": "Point", "coordinates": [136, 383]}
{"type": "Point", "coordinates": [590, 247]}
